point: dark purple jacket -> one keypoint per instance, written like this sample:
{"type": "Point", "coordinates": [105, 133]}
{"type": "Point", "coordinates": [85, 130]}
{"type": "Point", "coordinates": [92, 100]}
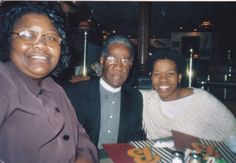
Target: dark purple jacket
{"type": "Point", "coordinates": [38, 123]}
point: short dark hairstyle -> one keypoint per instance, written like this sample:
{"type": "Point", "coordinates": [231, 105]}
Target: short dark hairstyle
{"type": "Point", "coordinates": [170, 54]}
{"type": "Point", "coordinates": [15, 13]}
{"type": "Point", "coordinates": [117, 39]}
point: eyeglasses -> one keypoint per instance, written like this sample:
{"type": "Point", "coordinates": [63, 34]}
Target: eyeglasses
{"type": "Point", "coordinates": [113, 60]}
{"type": "Point", "coordinates": [31, 37]}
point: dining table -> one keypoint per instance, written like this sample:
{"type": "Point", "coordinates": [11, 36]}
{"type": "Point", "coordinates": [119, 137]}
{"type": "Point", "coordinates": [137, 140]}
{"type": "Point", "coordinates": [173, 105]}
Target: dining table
{"type": "Point", "coordinates": [147, 151]}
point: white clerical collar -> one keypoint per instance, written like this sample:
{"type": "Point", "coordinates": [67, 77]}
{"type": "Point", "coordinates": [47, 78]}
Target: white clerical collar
{"type": "Point", "coordinates": [108, 87]}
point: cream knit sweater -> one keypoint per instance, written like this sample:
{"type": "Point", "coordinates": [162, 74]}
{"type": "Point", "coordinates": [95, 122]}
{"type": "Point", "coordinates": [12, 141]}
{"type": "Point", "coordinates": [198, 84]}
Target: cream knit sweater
{"type": "Point", "coordinates": [207, 118]}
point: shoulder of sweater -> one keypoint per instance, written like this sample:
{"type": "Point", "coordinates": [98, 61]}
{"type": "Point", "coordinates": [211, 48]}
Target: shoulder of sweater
{"type": "Point", "coordinates": [148, 93]}
{"type": "Point", "coordinates": [145, 92]}
{"type": "Point", "coordinates": [199, 90]}
{"type": "Point", "coordinates": [202, 97]}
{"type": "Point", "coordinates": [202, 93]}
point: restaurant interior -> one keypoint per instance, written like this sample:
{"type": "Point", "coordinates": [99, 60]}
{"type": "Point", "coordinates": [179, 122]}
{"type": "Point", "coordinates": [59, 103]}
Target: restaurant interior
{"type": "Point", "coordinates": [204, 32]}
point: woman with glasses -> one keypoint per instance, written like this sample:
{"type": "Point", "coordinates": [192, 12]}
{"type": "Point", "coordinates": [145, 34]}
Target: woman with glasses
{"type": "Point", "coordinates": [37, 120]}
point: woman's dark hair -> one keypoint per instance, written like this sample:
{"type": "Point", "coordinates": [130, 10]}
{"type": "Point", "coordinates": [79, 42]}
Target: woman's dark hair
{"type": "Point", "coordinates": [15, 13]}
{"type": "Point", "coordinates": [170, 54]}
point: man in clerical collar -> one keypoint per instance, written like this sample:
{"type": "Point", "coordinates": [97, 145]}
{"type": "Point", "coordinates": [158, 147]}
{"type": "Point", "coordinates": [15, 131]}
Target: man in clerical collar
{"type": "Point", "coordinates": [109, 109]}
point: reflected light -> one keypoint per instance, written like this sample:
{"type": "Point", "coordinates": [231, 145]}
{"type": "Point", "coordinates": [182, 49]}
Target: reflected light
{"type": "Point", "coordinates": [84, 71]}
{"type": "Point", "coordinates": [196, 56]}
{"type": "Point", "coordinates": [206, 24]}
{"type": "Point", "coordinates": [190, 75]}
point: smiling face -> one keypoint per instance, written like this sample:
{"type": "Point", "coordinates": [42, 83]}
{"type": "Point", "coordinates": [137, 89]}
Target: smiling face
{"type": "Point", "coordinates": [116, 74]}
{"type": "Point", "coordinates": [165, 79]}
{"type": "Point", "coordinates": [39, 59]}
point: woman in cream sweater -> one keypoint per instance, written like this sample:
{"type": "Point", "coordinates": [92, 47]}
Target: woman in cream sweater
{"type": "Point", "coordinates": [188, 110]}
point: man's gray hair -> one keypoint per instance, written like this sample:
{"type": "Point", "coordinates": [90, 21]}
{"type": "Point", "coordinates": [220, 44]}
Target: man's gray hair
{"type": "Point", "coordinates": [117, 39]}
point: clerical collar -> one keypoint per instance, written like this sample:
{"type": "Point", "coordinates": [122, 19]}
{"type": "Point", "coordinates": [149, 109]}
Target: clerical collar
{"type": "Point", "coordinates": [108, 87]}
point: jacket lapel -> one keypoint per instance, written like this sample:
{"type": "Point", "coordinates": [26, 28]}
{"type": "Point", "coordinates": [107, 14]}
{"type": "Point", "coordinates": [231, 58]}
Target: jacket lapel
{"type": "Point", "coordinates": [93, 110]}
